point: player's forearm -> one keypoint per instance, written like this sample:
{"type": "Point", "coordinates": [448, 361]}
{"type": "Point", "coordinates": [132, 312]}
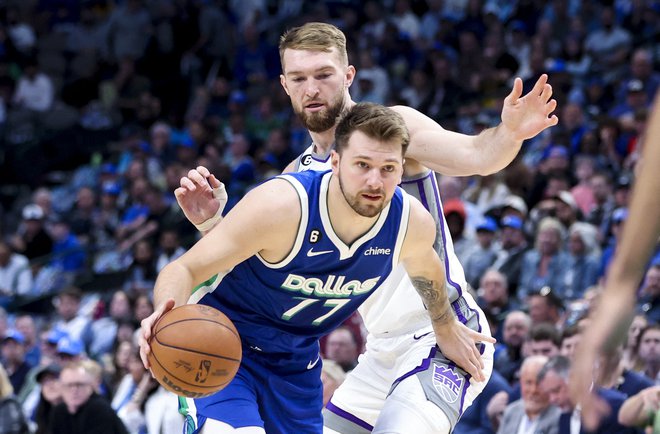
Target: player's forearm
{"type": "Point", "coordinates": [455, 154]}
{"type": "Point", "coordinates": [435, 299]}
{"type": "Point", "coordinates": [174, 281]}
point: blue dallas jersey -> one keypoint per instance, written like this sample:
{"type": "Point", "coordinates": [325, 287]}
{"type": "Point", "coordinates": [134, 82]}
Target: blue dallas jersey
{"type": "Point", "coordinates": [285, 307]}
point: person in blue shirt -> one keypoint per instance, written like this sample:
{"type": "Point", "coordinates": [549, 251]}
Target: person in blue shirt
{"type": "Point", "coordinates": [297, 255]}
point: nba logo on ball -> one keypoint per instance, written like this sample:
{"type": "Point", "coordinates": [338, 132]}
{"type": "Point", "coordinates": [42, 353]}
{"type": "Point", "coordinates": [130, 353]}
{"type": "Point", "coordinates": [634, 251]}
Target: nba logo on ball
{"type": "Point", "coordinates": [447, 383]}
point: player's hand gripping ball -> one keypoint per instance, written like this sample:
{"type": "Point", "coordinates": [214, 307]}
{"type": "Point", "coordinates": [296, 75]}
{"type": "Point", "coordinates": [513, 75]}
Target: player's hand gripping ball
{"type": "Point", "coordinates": [195, 350]}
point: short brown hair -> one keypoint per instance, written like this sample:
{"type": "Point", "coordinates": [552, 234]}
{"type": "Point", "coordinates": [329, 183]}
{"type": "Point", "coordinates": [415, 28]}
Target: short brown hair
{"type": "Point", "coordinates": [376, 121]}
{"type": "Point", "coordinates": [314, 37]}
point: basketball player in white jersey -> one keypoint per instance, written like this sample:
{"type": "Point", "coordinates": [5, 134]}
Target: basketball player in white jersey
{"type": "Point", "coordinates": [402, 384]}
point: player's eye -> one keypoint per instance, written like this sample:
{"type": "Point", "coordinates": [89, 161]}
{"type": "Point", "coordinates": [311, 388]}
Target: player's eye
{"type": "Point", "coordinates": [388, 168]}
{"type": "Point", "coordinates": [322, 76]}
{"type": "Point", "coordinates": [298, 79]}
{"type": "Point", "coordinates": [362, 165]}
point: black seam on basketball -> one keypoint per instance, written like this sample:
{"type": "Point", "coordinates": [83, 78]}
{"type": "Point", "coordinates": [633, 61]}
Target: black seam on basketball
{"type": "Point", "coordinates": [190, 350]}
{"type": "Point", "coordinates": [199, 319]}
{"type": "Point", "coordinates": [185, 382]}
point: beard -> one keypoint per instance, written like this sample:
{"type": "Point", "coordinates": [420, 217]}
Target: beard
{"type": "Point", "coordinates": [323, 120]}
{"type": "Point", "coordinates": [365, 210]}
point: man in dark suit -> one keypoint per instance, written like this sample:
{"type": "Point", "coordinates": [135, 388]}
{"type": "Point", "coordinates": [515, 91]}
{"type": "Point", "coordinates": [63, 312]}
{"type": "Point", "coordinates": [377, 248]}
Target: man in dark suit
{"type": "Point", "coordinates": [553, 378]}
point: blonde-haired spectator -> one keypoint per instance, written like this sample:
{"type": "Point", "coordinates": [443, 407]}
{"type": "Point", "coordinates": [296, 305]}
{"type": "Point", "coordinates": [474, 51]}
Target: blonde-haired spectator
{"type": "Point", "coordinates": [12, 419]}
{"type": "Point", "coordinates": [546, 263]}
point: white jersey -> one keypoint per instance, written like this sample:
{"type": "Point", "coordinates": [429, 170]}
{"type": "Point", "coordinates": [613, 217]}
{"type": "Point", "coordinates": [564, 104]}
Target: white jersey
{"type": "Point", "coordinates": [396, 308]}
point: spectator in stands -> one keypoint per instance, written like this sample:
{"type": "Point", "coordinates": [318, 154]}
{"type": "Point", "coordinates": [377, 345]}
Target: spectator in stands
{"type": "Point", "coordinates": [494, 299]}
{"type": "Point", "coordinates": [15, 274]}
{"type": "Point", "coordinates": [68, 253]}
{"type": "Point", "coordinates": [584, 262]}
{"type": "Point", "coordinates": [649, 294]}
{"type": "Point", "coordinates": [31, 239]}
{"type": "Point", "coordinates": [601, 213]}
{"type": "Point", "coordinates": [12, 419]}
{"type": "Point", "coordinates": [544, 265]}
{"type": "Point", "coordinates": [533, 412]}
{"type": "Point", "coordinates": [83, 410]}
{"type": "Point", "coordinates": [26, 326]}
{"type": "Point", "coordinates": [342, 347]}
{"type": "Point", "coordinates": [13, 358]}
{"type": "Point", "coordinates": [35, 90]}
{"type": "Point", "coordinates": [544, 339]}
{"type": "Point", "coordinates": [484, 252]}
{"type": "Point", "coordinates": [510, 256]}
{"type": "Point", "coordinates": [570, 338]}
{"type": "Point", "coordinates": [641, 68]}
{"type": "Point", "coordinates": [455, 214]}
{"type": "Point", "coordinates": [649, 350]}
{"type": "Point", "coordinates": [69, 319]}
{"type": "Point", "coordinates": [50, 395]}
{"type": "Point", "coordinates": [141, 273]}
{"type": "Point", "coordinates": [103, 331]}
{"type": "Point", "coordinates": [630, 358]}
{"type": "Point", "coordinates": [545, 306]}
{"type": "Point", "coordinates": [611, 374]}
{"type": "Point", "coordinates": [509, 352]}
{"type": "Point", "coordinates": [553, 378]}
{"type": "Point", "coordinates": [609, 46]}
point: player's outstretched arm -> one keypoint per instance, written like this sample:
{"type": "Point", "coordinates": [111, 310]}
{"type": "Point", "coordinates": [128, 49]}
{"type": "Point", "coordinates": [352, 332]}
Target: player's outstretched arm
{"type": "Point", "coordinates": [243, 233]}
{"type": "Point", "coordinates": [456, 154]}
{"type": "Point", "coordinates": [202, 198]}
{"type": "Point", "coordinates": [427, 274]}
{"type": "Point", "coordinates": [615, 307]}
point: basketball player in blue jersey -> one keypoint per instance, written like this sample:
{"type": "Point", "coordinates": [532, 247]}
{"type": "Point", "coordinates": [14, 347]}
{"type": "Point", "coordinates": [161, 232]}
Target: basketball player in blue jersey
{"type": "Point", "coordinates": [299, 254]}
{"type": "Point", "coordinates": [389, 391]}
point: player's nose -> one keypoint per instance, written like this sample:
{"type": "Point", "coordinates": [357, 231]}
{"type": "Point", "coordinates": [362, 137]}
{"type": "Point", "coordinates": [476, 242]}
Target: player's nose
{"type": "Point", "coordinates": [374, 179]}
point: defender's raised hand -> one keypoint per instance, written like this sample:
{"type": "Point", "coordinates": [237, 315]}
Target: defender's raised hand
{"type": "Point", "coordinates": [526, 116]}
{"type": "Point", "coordinates": [201, 196]}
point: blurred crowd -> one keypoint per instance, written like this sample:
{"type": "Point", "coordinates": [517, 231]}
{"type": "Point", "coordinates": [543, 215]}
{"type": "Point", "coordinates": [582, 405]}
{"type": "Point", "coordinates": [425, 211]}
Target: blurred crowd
{"type": "Point", "coordinates": [104, 105]}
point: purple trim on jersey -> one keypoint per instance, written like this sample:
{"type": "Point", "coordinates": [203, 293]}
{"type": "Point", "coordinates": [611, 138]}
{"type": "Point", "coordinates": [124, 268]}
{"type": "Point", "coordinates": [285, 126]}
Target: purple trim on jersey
{"type": "Point", "coordinates": [421, 368]}
{"type": "Point", "coordinates": [346, 415]}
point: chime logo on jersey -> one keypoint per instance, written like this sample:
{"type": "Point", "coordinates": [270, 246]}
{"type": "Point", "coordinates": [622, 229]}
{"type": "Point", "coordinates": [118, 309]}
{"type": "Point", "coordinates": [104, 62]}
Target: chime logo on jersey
{"type": "Point", "coordinates": [447, 383]}
{"type": "Point", "coordinates": [334, 286]}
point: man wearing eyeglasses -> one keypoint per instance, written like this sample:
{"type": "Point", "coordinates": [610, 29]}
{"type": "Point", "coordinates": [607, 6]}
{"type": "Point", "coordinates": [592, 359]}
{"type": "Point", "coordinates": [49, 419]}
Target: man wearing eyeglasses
{"type": "Point", "coordinates": [83, 410]}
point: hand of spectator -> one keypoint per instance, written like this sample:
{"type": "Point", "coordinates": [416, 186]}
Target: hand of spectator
{"type": "Point", "coordinates": [458, 343]}
{"type": "Point", "coordinates": [651, 398]}
{"type": "Point", "coordinates": [495, 408]}
{"type": "Point", "coordinates": [527, 116]}
{"type": "Point", "coordinates": [201, 196]}
{"type": "Point", "coordinates": [147, 325]}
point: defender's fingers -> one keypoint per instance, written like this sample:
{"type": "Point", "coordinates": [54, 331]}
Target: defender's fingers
{"type": "Point", "coordinates": [214, 182]}
{"type": "Point", "coordinates": [185, 182]}
{"type": "Point", "coordinates": [203, 171]}
{"type": "Point", "coordinates": [546, 94]}
{"type": "Point", "coordinates": [539, 85]}
{"type": "Point", "coordinates": [516, 91]}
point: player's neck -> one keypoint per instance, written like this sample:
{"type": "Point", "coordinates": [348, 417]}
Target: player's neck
{"type": "Point", "coordinates": [324, 141]}
{"type": "Point", "coordinates": [346, 223]}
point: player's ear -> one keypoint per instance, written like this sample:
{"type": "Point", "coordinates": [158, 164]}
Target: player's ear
{"type": "Point", "coordinates": [283, 83]}
{"type": "Point", "coordinates": [334, 161]}
{"type": "Point", "coordinates": [350, 75]}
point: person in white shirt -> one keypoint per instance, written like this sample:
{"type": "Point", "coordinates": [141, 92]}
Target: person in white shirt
{"type": "Point", "coordinates": [15, 273]}
{"type": "Point", "coordinates": [34, 90]}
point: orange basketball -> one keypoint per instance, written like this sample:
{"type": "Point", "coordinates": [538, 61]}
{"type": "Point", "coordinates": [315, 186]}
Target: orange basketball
{"type": "Point", "coordinates": [195, 350]}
